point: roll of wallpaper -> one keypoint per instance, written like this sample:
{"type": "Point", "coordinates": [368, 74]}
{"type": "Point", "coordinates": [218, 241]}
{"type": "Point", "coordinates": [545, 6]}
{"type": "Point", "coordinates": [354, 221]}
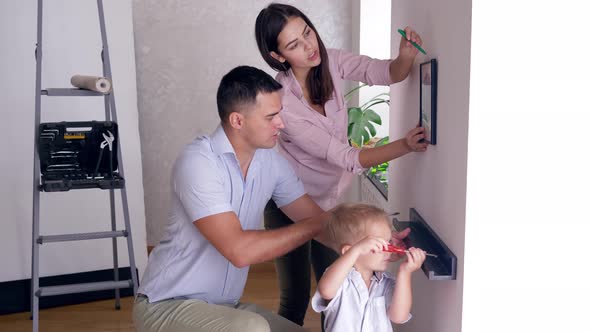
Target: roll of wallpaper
{"type": "Point", "coordinates": [94, 83]}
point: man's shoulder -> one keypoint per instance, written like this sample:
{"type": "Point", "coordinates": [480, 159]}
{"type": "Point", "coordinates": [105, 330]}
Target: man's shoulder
{"type": "Point", "coordinates": [198, 155]}
{"type": "Point", "coordinates": [270, 156]}
{"type": "Point", "coordinates": [200, 147]}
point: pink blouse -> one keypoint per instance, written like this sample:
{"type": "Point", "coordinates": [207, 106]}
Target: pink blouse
{"type": "Point", "coordinates": [317, 146]}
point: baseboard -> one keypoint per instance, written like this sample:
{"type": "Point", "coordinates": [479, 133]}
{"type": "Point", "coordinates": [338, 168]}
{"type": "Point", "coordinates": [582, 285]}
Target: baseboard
{"type": "Point", "coordinates": [16, 295]}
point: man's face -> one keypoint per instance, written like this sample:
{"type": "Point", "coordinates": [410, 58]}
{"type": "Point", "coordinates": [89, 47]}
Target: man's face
{"type": "Point", "coordinates": [262, 122]}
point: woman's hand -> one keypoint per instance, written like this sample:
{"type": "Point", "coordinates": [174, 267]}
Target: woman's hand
{"type": "Point", "coordinates": [400, 68]}
{"type": "Point", "coordinates": [407, 51]}
{"type": "Point", "coordinates": [413, 140]}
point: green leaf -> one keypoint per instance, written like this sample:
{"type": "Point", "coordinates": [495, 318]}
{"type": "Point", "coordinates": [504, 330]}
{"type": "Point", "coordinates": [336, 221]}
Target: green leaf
{"type": "Point", "coordinates": [377, 97]}
{"type": "Point", "coordinates": [372, 130]}
{"type": "Point", "coordinates": [362, 120]}
{"type": "Point", "coordinates": [354, 114]}
{"type": "Point", "coordinates": [361, 128]}
{"type": "Point", "coordinates": [348, 95]}
{"type": "Point", "coordinates": [376, 102]}
{"type": "Point", "coordinates": [382, 141]}
{"type": "Point", "coordinates": [372, 116]}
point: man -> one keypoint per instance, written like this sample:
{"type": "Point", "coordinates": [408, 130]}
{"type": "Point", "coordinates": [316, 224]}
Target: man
{"type": "Point", "coordinates": [220, 185]}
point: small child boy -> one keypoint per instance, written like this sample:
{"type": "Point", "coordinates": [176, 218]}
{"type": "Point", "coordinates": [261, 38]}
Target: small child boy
{"type": "Point", "coordinates": [355, 293]}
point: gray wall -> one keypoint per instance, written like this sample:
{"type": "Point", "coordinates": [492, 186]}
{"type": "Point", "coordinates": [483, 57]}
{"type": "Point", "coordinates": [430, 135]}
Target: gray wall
{"type": "Point", "coordinates": [183, 48]}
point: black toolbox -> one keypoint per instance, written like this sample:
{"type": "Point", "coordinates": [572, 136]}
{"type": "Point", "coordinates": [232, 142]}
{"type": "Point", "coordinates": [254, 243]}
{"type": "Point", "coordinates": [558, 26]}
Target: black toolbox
{"type": "Point", "coordinates": [79, 155]}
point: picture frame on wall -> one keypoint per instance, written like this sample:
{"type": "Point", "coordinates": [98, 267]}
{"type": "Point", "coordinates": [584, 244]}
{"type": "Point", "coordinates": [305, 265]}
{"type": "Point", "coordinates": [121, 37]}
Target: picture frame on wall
{"type": "Point", "coordinates": [428, 91]}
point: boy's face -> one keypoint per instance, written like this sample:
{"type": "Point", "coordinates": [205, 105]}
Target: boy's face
{"type": "Point", "coordinates": [380, 260]}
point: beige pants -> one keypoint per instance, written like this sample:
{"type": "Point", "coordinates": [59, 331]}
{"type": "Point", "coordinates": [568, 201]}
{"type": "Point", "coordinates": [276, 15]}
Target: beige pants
{"type": "Point", "coordinates": [197, 315]}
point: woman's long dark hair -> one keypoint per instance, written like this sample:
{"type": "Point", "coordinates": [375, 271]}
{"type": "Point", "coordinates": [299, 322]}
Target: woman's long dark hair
{"type": "Point", "coordinates": [269, 23]}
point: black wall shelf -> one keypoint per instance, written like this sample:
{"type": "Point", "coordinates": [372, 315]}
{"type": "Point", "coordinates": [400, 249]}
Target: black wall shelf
{"type": "Point", "coordinates": [443, 267]}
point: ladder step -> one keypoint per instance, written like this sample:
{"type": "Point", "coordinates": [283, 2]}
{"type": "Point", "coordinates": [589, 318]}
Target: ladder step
{"type": "Point", "coordinates": [49, 185]}
{"type": "Point", "coordinates": [85, 287]}
{"type": "Point", "coordinates": [80, 236]}
{"type": "Point", "coordinates": [70, 92]}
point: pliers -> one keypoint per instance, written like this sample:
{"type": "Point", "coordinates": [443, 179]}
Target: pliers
{"type": "Point", "coordinates": [108, 140]}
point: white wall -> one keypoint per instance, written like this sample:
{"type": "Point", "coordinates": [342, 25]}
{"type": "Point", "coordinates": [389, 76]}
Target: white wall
{"type": "Point", "coordinates": [513, 210]}
{"type": "Point", "coordinates": [434, 182]}
{"type": "Point", "coordinates": [183, 50]}
{"type": "Point", "coordinates": [527, 222]}
{"type": "Point", "coordinates": [71, 45]}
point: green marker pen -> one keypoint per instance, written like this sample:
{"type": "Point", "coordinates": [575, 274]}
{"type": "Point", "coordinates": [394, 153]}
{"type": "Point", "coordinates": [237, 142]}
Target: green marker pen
{"type": "Point", "coordinates": [403, 33]}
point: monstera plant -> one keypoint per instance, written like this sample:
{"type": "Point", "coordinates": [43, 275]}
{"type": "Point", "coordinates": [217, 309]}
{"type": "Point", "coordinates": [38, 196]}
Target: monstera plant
{"type": "Point", "coordinates": [361, 129]}
{"type": "Point", "coordinates": [362, 119]}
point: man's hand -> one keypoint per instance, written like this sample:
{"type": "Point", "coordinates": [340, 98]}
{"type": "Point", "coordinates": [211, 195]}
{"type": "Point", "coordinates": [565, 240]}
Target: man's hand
{"type": "Point", "coordinates": [305, 208]}
{"type": "Point", "coordinates": [397, 239]}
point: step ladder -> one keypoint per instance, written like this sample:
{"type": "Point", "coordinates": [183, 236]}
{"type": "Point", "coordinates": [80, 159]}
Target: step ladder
{"type": "Point", "coordinates": [38, 240]}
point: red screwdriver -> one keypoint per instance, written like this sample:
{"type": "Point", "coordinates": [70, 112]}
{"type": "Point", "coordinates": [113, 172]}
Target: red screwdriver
{"type": "Point", "coordinates": [391, 248]}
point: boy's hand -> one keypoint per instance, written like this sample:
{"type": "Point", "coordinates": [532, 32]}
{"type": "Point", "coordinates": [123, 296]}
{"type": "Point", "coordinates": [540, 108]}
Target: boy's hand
{"type": "Point", "coordinates": [370, 244]}
{"type": "Point", "coordinates": [415, 258]}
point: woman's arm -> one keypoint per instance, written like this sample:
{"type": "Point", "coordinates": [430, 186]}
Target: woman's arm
{"type": "Point", "coordinates": [370, 157]}
{"type": "Point", "coordinates": [400, 68]}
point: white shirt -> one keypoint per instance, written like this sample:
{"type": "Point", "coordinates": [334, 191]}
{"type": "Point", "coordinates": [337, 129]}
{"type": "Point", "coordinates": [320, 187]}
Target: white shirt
{"type": "Point", "coordinates": [207, 180]}
{"type": "Point", "coordinates": [356, 308]}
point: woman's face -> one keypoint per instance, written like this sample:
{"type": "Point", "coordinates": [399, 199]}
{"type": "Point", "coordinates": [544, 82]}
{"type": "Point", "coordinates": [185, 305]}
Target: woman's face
{"type": "Point", "coordinates": [298, 45]}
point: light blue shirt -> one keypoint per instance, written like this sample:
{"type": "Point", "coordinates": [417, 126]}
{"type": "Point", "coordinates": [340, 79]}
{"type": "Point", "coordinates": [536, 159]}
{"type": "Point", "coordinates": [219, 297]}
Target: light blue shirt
{"type": "Point", "coordinates": [207, 180]}
{"type": "Point", "coordinates": [356, 308]}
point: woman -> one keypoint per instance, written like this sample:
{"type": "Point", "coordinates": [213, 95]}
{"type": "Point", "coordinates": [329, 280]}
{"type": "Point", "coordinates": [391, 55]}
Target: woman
{"type": "Point", "coordinates": [314, 139]}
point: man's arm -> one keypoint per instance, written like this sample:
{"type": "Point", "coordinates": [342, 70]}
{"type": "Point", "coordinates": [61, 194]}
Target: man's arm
{"type": "Point", "coordinates": [247, 247]}
{"type": "Point", "coordinates": [303, 209]}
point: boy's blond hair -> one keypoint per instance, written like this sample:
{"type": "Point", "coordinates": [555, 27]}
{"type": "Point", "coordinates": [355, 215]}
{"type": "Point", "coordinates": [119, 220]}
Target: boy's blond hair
{"type": "Point", "coordinates": [349, 222]}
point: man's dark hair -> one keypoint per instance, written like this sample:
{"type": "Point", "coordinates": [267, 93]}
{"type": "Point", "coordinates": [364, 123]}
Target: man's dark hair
{"type": "Point", "coordinates": [240, 87]}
